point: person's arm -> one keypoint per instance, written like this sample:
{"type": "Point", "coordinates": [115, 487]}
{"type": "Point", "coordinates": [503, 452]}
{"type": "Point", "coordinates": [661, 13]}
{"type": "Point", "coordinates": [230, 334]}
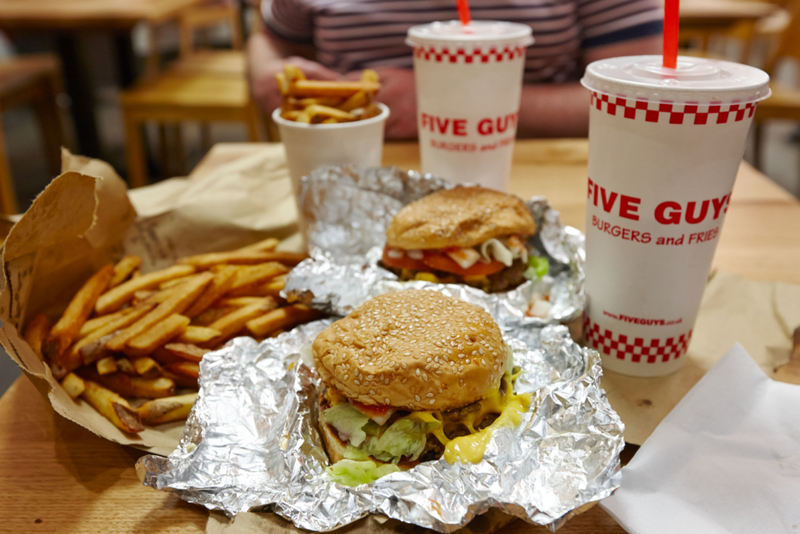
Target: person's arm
{"type": "Point", "coordinates": [562, 110]}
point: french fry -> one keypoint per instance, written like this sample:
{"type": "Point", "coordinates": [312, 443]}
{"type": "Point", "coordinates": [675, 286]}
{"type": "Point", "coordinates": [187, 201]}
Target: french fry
{"type": "Point", "coordinates": [106, 366]}
{"type": "Point", "coordinates": [136, 387]}
{"type": "Point", "coordinates": [369, 75]}
{"type": "Point", "coordinates": [283, 83]}
{"type": "Point", "coordinates": [210, 315]}
{"type": "Point", "coordinates": [198, 334]}
{"type": "Point", "coordinates": [113, 299]}
{"type": "Point", "coordinates": [293, 72]}
{"type": "Point", "coordinates": [181, 380]}
{"type": "Point", "coordinates": [147, 367]}
{"type": "Point", "coordinates": [125, 366]}
{"type": "Point", "coordinates": [89, 349]}
{"type": "Point", "coordinates": [125, 268]}
{"type": "Point", "coordinates": [157, 335]}
{"type": "Point", "coordinates": [163, 357]}
{"type": "Point", "coordinates": [69, 326]}
{"type": "Point", "coordinates": [320, 88]}
{"type": "Point", "coordinates": [158, 411]}
{"type": "Point", "coordinates": [360, 99]}
{"type": "Point", "coordinates": [304, 116]}
{"type": "Point", "coordinates": [235, 321]}
{"type": "Point", "coordinates": [185, 351]}
{"type": "Point", "coordinates": [112, 407]}
{"type": "Point", "coordinates": [186, 369]}
{"type": "Point", "coordinates": [250, 276]}
{"type": "Point", "coordinates": [36, 332]}
{"type": "Point", "coordinates": [316, 110]}
{"type": "Point", "coordinates": [281, 319]}
{"type": "Point", "coordinates": [242, 257]}
{"type": "Point", "coordinates": [98, 322]}
{"type": "Point", "coordinates": [264, 246]}
{"type": "Point", "coordinates": [271, 288]}
{"type": "Point", "coordinates": [330, 102]}
{"type": "Point", "coordinates": [73, 385]}
{"type": "Point", "coordinates": [176, 282]}
{"type": "Point", "coordinates": [184, 295]}
{"type": "Point", "coordinates": [238, 302]}
{"type": "Point", "coordinates": [223, 280]}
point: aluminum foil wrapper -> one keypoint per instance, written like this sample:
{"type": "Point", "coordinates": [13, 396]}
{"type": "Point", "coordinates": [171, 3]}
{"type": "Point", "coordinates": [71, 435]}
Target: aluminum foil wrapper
{"type": "Point", "coordinates": [251, 443]}
{"type": "Point", "coordinates": [347, 211]}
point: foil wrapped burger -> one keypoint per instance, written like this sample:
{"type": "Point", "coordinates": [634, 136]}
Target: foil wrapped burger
{"type": "Point", "coordinates": [412, 376]}
{"type": "Point", "coordinates": [467, 235]}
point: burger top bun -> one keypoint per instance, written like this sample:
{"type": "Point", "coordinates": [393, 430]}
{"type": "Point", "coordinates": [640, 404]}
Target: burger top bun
{"type": "Point", "coordinates": [413, 349]}
{"type": "Point", "coordinates": [459, 217]}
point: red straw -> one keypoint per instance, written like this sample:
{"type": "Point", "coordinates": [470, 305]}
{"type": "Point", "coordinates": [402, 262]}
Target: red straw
{"type": "Point", "coordinates": [671, 8]}
{"type": "Point", "coordinates": [463, 12]}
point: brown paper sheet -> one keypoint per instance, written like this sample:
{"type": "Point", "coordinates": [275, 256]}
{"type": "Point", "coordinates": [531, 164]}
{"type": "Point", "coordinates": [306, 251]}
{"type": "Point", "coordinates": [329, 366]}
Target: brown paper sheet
{"type": "Point", "coordinates": [759, 315]}
{"type": "Point", "coordinates": [86, 218]}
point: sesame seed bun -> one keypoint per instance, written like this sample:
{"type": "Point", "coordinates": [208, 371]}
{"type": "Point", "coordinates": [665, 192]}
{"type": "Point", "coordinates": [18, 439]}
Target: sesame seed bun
{"type": "Point", "coordinates": [413, 350]}
{"type": "Point", "coordinates": [459, 217]}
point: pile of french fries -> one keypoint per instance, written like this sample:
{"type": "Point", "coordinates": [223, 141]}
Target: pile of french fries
{"type": "Point", "coordinates": [327, 102]}
{"type": "Point", "coordinates": [128, 336]}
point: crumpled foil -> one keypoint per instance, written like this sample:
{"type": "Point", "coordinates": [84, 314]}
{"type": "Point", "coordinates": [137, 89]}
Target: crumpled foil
{"type": "Point", "coordinates": [347, 211]}
{"type": "Point", "coordinates": [251, 443]}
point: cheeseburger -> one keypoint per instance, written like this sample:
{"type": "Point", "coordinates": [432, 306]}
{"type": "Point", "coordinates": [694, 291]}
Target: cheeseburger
{"type": "Point", "coordinates": [468, 235]}
{"type": "Point", "coordinates": [409, 377]}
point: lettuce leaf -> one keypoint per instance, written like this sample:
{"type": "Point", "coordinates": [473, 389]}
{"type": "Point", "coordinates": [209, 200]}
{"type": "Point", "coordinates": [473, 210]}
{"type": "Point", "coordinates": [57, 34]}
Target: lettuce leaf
{"type": "Point", "coordinates": [347, 421]}
{"type": "Point", "coordinates": [406, 437]}
{"type": "Point", "coordinates": [538, 267]}
{"type": "Point", "coordinates": [355, 473]}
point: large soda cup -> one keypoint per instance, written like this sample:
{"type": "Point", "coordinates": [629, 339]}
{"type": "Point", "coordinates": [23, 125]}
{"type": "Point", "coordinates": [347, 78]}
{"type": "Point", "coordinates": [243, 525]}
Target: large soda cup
{"type": "Point", "coordinates": [469, 82]}
{"type": "Point", "coordinates": [664, 149]}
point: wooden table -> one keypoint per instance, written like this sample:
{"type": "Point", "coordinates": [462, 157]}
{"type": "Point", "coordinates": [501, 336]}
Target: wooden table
{"type": "Point", "coordinates": [65, 18]}
{"type": "Point", "coordinates": [58, 477]}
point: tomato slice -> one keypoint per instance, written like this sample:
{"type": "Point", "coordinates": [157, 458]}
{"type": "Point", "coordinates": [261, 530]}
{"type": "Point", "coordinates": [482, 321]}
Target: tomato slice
{"type": "Point", "coordinates": [405, 262]}
{"type": "Point", "coordinates": [371, 411]}
{"type": "Point", "coordinates": [442, 262]}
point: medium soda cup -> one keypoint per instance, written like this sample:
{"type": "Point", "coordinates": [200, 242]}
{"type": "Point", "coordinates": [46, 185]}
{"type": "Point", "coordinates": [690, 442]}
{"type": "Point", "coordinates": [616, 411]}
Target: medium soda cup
{"type": "Point", "coordinates": [469, 83]}
{"type": "Point", "coordinates": [664, 149]}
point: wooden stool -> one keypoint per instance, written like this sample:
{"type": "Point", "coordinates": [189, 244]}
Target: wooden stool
{"type": "Point", "coordinates": [202, 85]}
{"type": "Point", "coordinates": [785, 101]}
{"type": "Point", "coordinates": [31, 80]}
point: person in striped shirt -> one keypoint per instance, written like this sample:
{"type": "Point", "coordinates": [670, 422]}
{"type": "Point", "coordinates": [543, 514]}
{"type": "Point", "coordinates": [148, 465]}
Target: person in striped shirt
{"type": "Point", "coordinates": [335, 39]}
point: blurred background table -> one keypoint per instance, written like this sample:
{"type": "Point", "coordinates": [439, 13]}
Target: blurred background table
{"type": "Point", "coordinates": [66, 19]}
{"type": "Point", "coordinates": [57, 477]}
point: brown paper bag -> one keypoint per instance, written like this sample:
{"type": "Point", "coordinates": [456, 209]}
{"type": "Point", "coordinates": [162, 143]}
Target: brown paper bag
{"type": "Point", "coordinates": [85, 219]}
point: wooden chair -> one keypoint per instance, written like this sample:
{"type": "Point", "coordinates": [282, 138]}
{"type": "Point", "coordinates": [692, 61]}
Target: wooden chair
{"type": "Point", "coordinates": [785, 101]}
{"type": "Point", "coordinates": [31, 80]}
{"type": "Point", "coordinates": [202, 85]}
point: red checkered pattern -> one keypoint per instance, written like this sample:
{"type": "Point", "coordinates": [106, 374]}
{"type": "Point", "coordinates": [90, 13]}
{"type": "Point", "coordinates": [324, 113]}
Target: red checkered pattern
{"type": "Point", "coordinates": [476, 55]}
{"type": "Point", "coordinates": [637, 350]}
{"type": "Point", "coordinates": [667, 112]}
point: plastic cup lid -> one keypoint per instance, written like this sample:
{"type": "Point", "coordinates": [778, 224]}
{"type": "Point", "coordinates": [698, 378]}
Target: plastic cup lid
{"type": "Point", "coordinates": [695, 80]}
{"type": "Point", "coordinates": [477, 32]}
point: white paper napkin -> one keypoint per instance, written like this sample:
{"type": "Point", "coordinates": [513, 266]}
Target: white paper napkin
{"type": "Point", "coordinates": [725, 460]}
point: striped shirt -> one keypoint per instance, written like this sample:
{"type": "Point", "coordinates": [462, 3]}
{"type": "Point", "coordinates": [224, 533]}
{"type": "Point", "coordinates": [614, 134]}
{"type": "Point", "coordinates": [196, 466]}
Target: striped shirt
{"type": "Point", "coordinates": [356, 34]}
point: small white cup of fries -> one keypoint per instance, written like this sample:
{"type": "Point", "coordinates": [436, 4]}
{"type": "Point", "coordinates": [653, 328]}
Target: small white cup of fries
{"type": "Point", "coordinates": [329, 122]}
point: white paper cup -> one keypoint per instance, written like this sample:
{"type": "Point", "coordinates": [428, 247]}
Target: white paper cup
{"type": "Point", "coordinates": [664, 149]}
{"type": "Point", "coordinates": [469, 81]}
{"type": "Point", "coordinates": [309, 146]}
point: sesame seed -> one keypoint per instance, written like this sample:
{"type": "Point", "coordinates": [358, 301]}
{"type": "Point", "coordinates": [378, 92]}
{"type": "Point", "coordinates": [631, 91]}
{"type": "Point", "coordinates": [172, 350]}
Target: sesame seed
{"type": "Point", "coordinates": [433, 401]}
{"type": "Point", "coordinates": [417, 372]}
{"type": "Point", "coordinates": [429, 395]}
{"type": "Point", "coordinates": [356, 382]}
{"type": "Point", "coordinates": [372, 392]}
{"type": "Point", "coordinates": [387, 401]}
{"type": "Point", "coordinates": [416, 397]}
